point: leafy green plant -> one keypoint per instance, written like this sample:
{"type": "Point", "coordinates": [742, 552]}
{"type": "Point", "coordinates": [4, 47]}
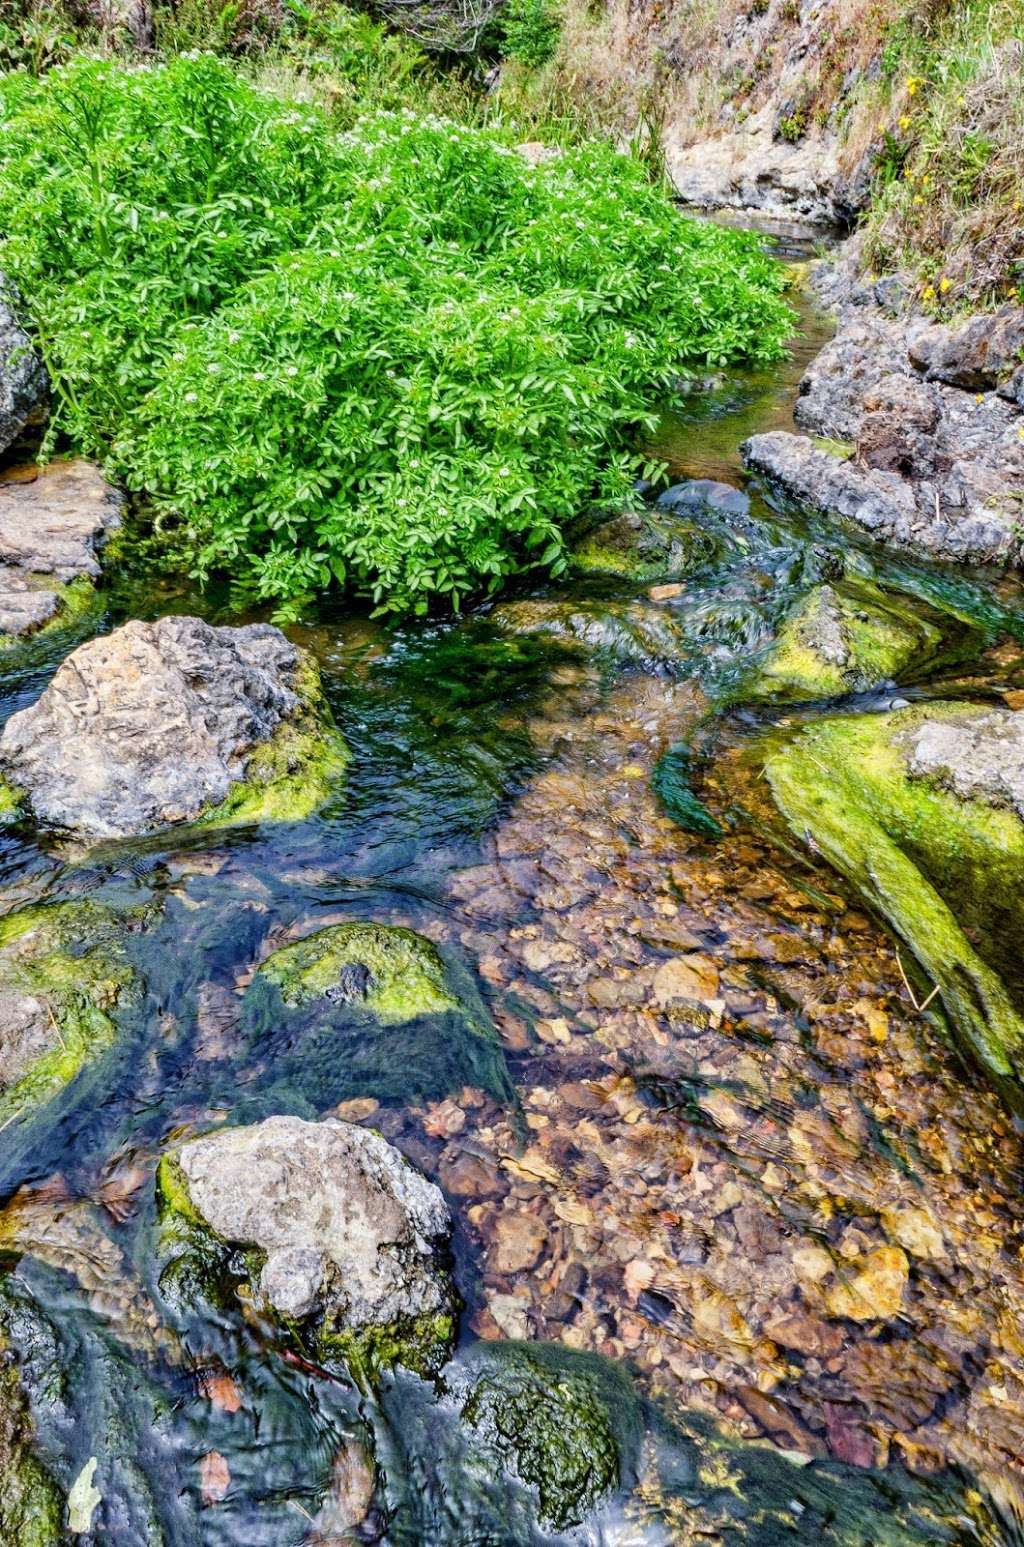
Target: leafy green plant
{"type": "Point", "coordinates": [530, 30]}
{"type": "Point", "coordinates": [397, 358]}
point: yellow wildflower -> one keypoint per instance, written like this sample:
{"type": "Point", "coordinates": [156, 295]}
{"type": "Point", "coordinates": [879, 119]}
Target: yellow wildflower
{"type": "Point", "coordinates": [918, 199]}
{"type": "Point", "coordinates": [905, 121]}
{"type": "Point", "coordinates": [945, 283]}
{"type": "Point", "coordinates": [928, 293]}
{"type": "Point", "coordinates": [912, 84]}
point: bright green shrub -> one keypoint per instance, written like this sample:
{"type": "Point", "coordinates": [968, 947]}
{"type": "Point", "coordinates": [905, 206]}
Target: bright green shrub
{"type": "Point", "coordinates": [530, 30]}
{"type": "Point", "coordinates": [399, 357]}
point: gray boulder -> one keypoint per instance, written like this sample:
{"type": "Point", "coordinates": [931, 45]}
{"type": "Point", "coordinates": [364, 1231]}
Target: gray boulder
{"type": "Point", "coordinates": [158, 722]}
{"type": "Point", "coordinates": [23, 382]}
{"type": "Point", "coordinates": [54, 519]}
{"type": "Point", "coordinates": [976, 355]}
{"type": "Point", "coordinates": [349, 1236]}
{"type": "Point", "coordinates": [978, 759]}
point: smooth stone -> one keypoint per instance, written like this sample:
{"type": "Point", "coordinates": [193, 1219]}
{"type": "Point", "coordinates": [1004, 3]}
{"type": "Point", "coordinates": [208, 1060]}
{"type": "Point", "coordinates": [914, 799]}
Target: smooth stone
{"type": "Point", "coordinates": [23, 380]}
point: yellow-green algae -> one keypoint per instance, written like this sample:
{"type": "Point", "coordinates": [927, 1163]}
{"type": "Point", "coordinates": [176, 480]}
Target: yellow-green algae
{"type": "Point", "coordinates": [70, 957]}
{"type": "Point", "coordinates": [882, 638]}
{"type": "Point", "coordinates": [298, 770]}
{"type": "Point", "coordinates": [645, 546]}
{"type": "Point", "coordinates": [407, 977]}
{"type": "Point", "coordinates": [947, 874]}
{"type": "Point", "coordinates": [77, 602]}
{"type": "Point", "coordinates": [31, 1507]}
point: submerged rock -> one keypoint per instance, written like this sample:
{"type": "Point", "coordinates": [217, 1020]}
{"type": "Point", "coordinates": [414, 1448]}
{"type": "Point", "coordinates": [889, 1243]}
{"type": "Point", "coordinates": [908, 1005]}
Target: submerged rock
{"type": "Point", "coordinates": [63, 971]}
{"type": "Point", "coordinates": [393, 972]}
{"type": "Point", "coordinates": [341, 1238]}
{"type": "Point", "coordinates": [563, 1423]}
{"type": "Point", "coordinates": [175, 721]}
{"type": "Point", "coordinates": [844, 638]}
{"type": "Point", "coordinates": [636, 633]}
{"type": "Point", "coordinates": [919, 809]}
{"type": "Point", "coordinates": [31, 1507]}
{"type": "Point", "coordinates": [23, 381]}
{"type": "Point", "coordinates": [644, 546]}
{"type": "Point", "coordinates": [704, 494]}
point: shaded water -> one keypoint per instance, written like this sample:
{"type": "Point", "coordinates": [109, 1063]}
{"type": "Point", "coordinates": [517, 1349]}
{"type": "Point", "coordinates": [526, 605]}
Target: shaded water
{"type": "Point", "coordinates": [676, 1189]}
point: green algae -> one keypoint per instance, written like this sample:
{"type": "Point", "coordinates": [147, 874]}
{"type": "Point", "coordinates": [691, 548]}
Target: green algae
{"type": "Point", "coordinates": [671, 782]}
{"type": "Point", "coordinates": [298, 770]}
{"type": "Point", "coordinates": [566, 1423]}
{"type": "Point", "coordinates": [404, 974]}
{"type": "Point", "coordinates": [68, 958]}
{"type": "Point", "coordinates": [421, 1344]}
{"type": "Point", "coordinates": [31, 1506]}
{"type": "Point", "coordinates": [644, 546]}
{"type": "Point", "coordinates": [845, 638]}
{"type": "Point", "coordinates": [945, 873]}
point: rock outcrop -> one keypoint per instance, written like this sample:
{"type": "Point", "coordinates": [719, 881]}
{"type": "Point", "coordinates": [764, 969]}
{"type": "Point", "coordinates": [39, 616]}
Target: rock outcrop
{"type": "Point", "coordinates": [174, 721]}
{"type": "Point", "coordinates": [344, 1238]}
{"type": "Point", "coordinates": [920, 810]}
{"type": "Point", "coordinates": [23, 381]}
{"type": "Point", "coordinates": [932, 435]}
{"type": "Point", "coordinates": [54, 522]}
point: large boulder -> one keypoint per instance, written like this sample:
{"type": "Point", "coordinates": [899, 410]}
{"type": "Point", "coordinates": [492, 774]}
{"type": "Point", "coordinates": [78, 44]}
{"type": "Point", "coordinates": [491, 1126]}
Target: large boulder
{"type": "Point", "coordinates": [340, 1237]}
{"type": "Point", "coordinates": [23, 382]}
{"type": "Point", "coordinates": [174, 721]}
{"type": "Point", "coordinates": [63, 972]}
{"type": "Point", "coordinates": [921, 810]}
{"type": "Point", "coordinates": [975, 355]}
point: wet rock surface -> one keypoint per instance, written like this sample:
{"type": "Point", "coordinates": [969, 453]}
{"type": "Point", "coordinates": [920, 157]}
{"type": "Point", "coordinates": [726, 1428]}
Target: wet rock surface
{"type": "Point", "coordinates": [350, 1235]}
{"type": "Point", "coordinates": [31, 1508]}
{"type": "Point", "coordinates": [23, 381]}
{"type": "Point", "coordinates": [981, 758]}
{"type": "Point", "coordinates": [935, 460]}
{"type": "Point", "coordinates": [151, 724]}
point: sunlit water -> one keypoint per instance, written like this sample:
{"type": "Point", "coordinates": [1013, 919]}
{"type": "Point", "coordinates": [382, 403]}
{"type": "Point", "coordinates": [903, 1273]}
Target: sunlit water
{"type": "Point", "coordinates": [636, 1184]}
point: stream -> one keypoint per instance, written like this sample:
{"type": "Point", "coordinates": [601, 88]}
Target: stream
{"type": "Point", "coordinates": [663, 1188]}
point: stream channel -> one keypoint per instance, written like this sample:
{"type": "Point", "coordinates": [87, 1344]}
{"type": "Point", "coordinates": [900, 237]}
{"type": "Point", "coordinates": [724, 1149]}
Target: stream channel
{"type": "Point", "coordinates": [662, 1190]}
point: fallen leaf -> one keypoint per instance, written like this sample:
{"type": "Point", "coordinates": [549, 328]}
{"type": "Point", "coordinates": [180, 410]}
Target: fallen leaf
{"type": "Point", "coordinates": [221, 1389]}
{"type": "Point", "coordinates": [83, 1499]}
{"type": "Point", "coordinates": [637, 1276]}
{"type": "Point", "coordinates": [214, 1477]}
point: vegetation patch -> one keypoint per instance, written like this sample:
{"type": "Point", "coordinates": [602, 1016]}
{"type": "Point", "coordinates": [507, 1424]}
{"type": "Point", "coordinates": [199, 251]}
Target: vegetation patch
{"type": "Point", "coordinates": [398, 358]}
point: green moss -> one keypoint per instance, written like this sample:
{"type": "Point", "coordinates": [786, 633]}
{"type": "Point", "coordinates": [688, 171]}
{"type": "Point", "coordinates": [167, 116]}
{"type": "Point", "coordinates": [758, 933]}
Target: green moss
{"type": "Point", "coordinates": [874, 638]}
{"type": "Point", "coordinates": [418, 1343]}
{"type": "Point", "coordinates": [945, 873]}
{"type": "Point", "coordinates": [298, 770]}
{"type": "Point", "coordinates": [77, 603]}
{"type": "Point", "coordinates": [565, 1423]}
{"type": "Point", "coordinates": [842, 450]}
{"type": "Point", "coordinates": [69, 957]}
{"type": "Point", "coordinates": [10, 800]}
{"type": "Point", "coordinates": [31, 1506]}
{"type": "Point", "coordinates": [644, 546]}
{"type": "Point", "coordinates": [400, 974]}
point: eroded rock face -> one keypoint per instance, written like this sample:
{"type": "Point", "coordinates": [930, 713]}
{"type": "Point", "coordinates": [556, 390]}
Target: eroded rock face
{"type": "Point", "coordinates": [978, 759]}
{"type": "Point", "coordinates": [23, 383]}
{"type": "Point", "coordinates": [352, 1234]}
{"type": "Point", "coordinates": [977, 355]}
{"type": "Point", "coordinates": [151, 724]}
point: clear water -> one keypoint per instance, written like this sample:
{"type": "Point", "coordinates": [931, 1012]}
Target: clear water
{"type": "Point", "coordinates": [500, 802]}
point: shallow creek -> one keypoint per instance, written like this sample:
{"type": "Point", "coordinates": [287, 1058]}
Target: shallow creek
{"type": "Point", "coordinates": [718, 1107]}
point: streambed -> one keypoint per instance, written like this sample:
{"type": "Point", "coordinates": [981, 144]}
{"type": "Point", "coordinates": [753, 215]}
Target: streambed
{"type": "Point", "coordinates": [714, 1093]}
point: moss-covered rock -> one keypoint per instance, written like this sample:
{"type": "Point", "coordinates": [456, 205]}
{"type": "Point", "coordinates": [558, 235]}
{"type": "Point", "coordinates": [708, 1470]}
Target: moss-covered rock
{"type": "Point", "coordinates": [565, 1423]}
{"type": "Point", "coordinates": [845, 638]}
{"type": "Point", "coordinates": [644, 546]}
{"type": "Point", "coordinates": [946, 872]}
{"type": "Point", "coordinates": [634, 633]}
{"type": "Point", "coordinates": [366, 1009]}
{"type": "Point", "coordinates": [31, 1506]}
{"type": "Point", "coordinates": [63, 972]}
{"type": "Point", "coordinates": [325, 1226]}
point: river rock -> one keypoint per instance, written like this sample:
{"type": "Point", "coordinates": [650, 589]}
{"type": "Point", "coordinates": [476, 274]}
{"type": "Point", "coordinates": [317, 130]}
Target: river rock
{"type": "Point", "coordinates": [160, 722]}
{"type": "Point", "coordinates": [350, 1237]}
{"type": "Point", "coordinates": [644, 546]}
{"type": "Point", "coordinates": [975, 355]}
{"type": "Point", "coordinates": [31, 1508]}
{"type": "Point", "coordinates": [920, 810]}
{"type": "Point", "coordinates": [635, 633]}
{"type": "Point", "coordinates": [23, 381]}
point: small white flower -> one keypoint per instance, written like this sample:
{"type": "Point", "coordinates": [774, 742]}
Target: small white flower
{"type": "Point", "coordinates": [178, 357]}
{"type": "Point", "coordinates": [291, 370]}
{"type": "Point", "coordinates": [259, 375]}
{"type": "Point", "coordinates": [190, 397]}
{"type": "Point", "coordinates": [213, 368]}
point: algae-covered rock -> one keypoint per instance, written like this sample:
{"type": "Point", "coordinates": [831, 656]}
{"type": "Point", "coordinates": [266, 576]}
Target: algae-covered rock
{"type": "Point", "coordinates": [366, 1009]}
{"type": "Point", "coordinates": [63, 971]}
{"type": "Point", "coordinates": [635, 633]}
{"type": "Point", "coordinates": [31, 1507]}
{"type": "Point", "coordinates": [644, 546]}
{"type": "Point", "coordinates": [340, 1239]}
{"type": "Point", "coordinates": [845, 638]}
{"type": "Point", "coordinates": [175, 721]}
{"type": "Point", "coordinates": [564, 1423]}
{"type": "Point", "coordinates": [877, 796]}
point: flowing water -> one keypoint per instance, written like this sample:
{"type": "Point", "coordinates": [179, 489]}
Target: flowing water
{"type": "Point", "coordinates": [667, 1188]}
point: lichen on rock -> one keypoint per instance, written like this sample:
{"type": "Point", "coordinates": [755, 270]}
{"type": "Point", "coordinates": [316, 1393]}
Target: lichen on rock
{"type": "Point", "coordinates": [175, 721]}
{"type": "Point", "coordinates": [875, 795]}
{"type": "Point", "coordinates": [339, 1239]}
{"type": "Point", "coordinates": [63, 972]}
